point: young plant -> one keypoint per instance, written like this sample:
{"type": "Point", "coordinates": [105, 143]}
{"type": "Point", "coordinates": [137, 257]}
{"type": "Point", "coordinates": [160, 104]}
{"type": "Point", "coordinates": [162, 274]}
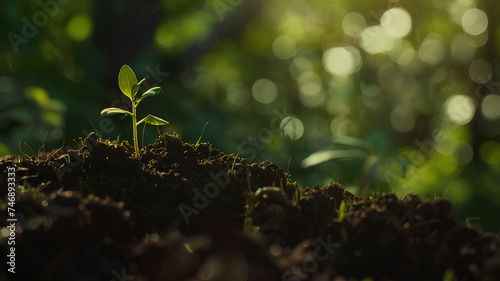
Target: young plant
{"type": "Point", "coordinates": [129, 87]}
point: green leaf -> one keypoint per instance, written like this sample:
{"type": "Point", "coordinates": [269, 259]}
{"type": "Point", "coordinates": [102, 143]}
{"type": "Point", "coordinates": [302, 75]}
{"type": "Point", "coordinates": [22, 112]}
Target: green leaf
{"type": "Point", "coordinates": [153, 120]}
{"type": "Point", "coordinates": [135, 88]}
{"type": "Point", "coordinates": [126, 81]}
{"type": "Point", "coordinates": [113, 111]}
{"type": "Point", "coordinates": [149, 93]}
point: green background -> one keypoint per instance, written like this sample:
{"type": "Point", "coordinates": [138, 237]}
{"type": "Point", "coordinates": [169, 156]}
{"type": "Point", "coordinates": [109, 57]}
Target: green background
{"type": "Point", "coordinates": [379, 96]}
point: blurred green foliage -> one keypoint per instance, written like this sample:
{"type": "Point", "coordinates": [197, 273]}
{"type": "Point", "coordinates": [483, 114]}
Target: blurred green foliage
{"type": "Point", "coordinates": [378, 95]}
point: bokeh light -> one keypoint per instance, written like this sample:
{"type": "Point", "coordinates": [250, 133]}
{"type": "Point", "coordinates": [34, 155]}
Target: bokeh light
{"type": "Point", "coordinates": [402, 118]}
{"type": "Point", "coordinates": [457, 9]}
{"type": "Point", "coordinates": [311, 92]}
{"type": "Point", "coordinates": [396, 22]}
{"type": "Point", "coordinates": [342, 61]}
{"type": "Point", "coordinates": [292, 127]}
{"type": "Point", "coordinates": [480, 71]}
{"type": "Point", "coordinates": [353, 24]}
{"type": "Point", "coordinates": [460, 109]}
{"type": "Point", "coordinates": [490, 107]}
{"type": "Point", "coordinates": [474, 21]}
{"type": "Point", "coordinates": [463, 48]}
{"type": "Point", "coordinates": [238, 94]}
{"type": "Point", "coordinates": [80, 27]}
{"type": "Point", "coordinates": [264, 91]}
{"type": "Point", "coordinates": [374, 40]}
{"type": "Point", "coordinates": [343, 126]}
{"type": "Point", "coordinates": [284, 47]}
{"type": "Point", "coordinates": [432, 50]}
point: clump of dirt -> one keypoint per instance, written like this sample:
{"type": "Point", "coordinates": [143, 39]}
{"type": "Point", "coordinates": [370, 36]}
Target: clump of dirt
{"type": "Point", "coordinates": [177, 213]}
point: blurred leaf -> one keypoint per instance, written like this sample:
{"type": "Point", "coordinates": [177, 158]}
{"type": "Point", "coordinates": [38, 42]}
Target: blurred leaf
{"type": "Point", "coordinates": [53, 118]}
{"type": "Point", "coordinates": [449, 275]}
{"type": "Point", "coordinates": [342, 210]}
{"type": "Point", "coordinates": [4, 150]}
{"type": "Point", "coordinates": [324, 156]}
{"type": "Point", "coordinates": [56, 105]}
{"type": "Point", "coordinates": [37, 94]}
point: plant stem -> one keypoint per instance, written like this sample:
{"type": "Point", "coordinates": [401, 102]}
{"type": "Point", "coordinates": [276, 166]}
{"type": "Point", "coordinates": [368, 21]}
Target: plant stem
{"type": "Point", "coordinates": [134, 128]}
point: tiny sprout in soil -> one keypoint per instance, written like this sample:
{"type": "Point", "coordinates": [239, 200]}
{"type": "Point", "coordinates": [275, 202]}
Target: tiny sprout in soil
{"type": "Point", "coordinates": [129, 87]}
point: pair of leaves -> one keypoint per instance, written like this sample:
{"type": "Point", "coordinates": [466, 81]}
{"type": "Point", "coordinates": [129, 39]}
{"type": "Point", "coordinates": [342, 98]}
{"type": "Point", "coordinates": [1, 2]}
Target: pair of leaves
{"type": "Point", "coordinates": [114, 110]}
{"type": "Point", "coordinates": [129, 85]}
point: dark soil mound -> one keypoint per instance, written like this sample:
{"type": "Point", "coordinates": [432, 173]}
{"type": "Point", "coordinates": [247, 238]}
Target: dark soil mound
{"type": "Point", "coordinates": [177, 213]}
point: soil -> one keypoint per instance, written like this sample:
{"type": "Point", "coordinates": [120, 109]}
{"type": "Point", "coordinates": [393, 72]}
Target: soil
{"type": "Point", "coordinates": [190, 212]}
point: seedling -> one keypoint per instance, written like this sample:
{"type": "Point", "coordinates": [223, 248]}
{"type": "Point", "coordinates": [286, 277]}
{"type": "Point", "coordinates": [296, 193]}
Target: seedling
{"type": "Point", "coordinates": [129, 87]}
